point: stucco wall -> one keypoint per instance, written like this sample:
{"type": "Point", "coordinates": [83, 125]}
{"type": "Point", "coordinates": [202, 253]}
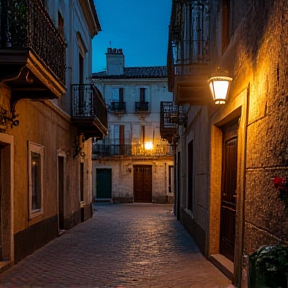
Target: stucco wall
{"type": "Point", "coordinates": [122, 179]}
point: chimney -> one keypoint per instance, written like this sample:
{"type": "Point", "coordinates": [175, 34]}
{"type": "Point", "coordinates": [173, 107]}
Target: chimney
{"type": "Point", "coordinates": [115, 61]}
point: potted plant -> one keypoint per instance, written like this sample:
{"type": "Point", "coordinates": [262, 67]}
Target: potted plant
{"type": "Point", "coordinates": [268, 267]}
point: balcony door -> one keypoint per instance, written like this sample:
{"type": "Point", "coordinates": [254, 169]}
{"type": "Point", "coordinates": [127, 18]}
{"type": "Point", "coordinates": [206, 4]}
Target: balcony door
{"type": "Point", "coordinates": [142, 183]}
{"type": "Point", "coordinates": [142, 95]}
{"type": "Point", "coordinates": [119, 140]}
{"type": "Point", "coordinates": [118, 95]}
{"type": "Point", "coordinates": [229, 193]}
{"type": "Point", "coordinates": [117, 103]}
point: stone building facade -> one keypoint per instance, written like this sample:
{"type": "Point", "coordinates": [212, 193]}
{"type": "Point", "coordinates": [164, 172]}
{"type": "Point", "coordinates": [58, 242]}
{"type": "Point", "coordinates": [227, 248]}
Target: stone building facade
{"type": "Point", "coordinates": [226, 198]}
{"type": "Point", "coordinates": [124, 168]}
{"type": "Point", "coordinates": [45, 139]}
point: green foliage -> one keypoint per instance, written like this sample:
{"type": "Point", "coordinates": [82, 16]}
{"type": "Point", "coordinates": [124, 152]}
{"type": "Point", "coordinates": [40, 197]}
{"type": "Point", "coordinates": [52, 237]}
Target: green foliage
{"type": "Point", "coordinates": [269, 267]}
{"type": "Point", "coordinates": [284, 197]}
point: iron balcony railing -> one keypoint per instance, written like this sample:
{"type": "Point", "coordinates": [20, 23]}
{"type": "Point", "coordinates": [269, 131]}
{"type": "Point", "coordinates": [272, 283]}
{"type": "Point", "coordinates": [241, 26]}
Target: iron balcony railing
{"type": "Point", "coordinates": [104, 150]}
{"type": "Point", "coordinates": [141, 106]}
{"type": "Point", "coordinates": [118, 107]}
{"type": "Point", "coordinates": [171, 115]}
{"type": "Point", "coordinates": [25, 24]}
{"type": "Point", "coordinates": [188, 52]}
{"type": "Point", "coordinates": [88, 102]}
{"type": "Point", "coordinates": [189, 38]}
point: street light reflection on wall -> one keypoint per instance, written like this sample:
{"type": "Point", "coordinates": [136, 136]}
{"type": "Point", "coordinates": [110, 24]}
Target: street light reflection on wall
{"type": "Point", "coordinates": [219, 86]}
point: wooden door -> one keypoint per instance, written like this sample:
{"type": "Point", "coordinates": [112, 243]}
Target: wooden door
{"type": "Point", "coordinates": [229, 193]}
{"type": "Point", "coordinates": [142, 183]}
{"type": "Point", "coordinates": [103, 183]}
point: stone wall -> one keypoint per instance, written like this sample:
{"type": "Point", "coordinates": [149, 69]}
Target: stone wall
{"type": "Point", "coordinates": [258, 58]}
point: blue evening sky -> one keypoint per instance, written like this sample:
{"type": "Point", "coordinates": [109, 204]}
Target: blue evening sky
{"type": "Point", "coordinates": [139, 27]}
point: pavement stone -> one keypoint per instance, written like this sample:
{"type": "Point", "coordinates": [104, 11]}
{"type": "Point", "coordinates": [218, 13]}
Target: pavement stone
{"type": "Point", "coordinates": [121, 246]}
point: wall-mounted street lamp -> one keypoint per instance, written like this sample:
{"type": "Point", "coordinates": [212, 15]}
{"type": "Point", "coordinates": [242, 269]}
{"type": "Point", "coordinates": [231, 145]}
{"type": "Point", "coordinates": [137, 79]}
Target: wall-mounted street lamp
{"type": "Point", "coordinates": [219, 86]}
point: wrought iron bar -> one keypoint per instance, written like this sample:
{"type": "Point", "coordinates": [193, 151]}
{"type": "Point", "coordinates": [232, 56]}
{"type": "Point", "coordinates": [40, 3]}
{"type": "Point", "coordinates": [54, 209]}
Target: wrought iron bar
{"type": "Point", "coordinates": [118, 106]}
{"type": "Point", "coordinates": [104, 150]}
{"type": "Point", "coordinates": [100, 108]}
{"type": "Point", "coordinates": [25, 24]}
{"type": "Point", "coordinates": [109, 150]}
{"type": "Point", "coordinates": [172, 115]}
{"type": "Point", "coordinates": [88, 102]}
{"type": "Point", "coordinates": [189, 43]}
{"type": "Point", "coordinates": [141, 106]}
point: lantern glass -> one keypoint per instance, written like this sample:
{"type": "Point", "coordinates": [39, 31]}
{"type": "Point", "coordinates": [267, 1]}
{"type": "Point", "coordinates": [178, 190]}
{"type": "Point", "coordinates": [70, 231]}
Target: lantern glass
{"type": "Point", "coordinates": [148, 146]}
{"type": "Point", "coordinates": [219, 87]}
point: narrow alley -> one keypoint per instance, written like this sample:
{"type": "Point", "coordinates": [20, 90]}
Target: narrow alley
{"type": "Point", "coordinates": [122, 245]}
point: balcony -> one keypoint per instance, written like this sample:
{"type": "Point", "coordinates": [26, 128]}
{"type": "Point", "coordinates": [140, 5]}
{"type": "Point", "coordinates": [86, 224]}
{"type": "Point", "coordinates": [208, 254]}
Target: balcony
{"type": "Point", "coordinates": [189, 52]}
{"type": "Point", "coordinates": [32, 52]}
{"type": "Point", "coordinates": [118, 108]}
{"type": "Point", "coordinates": [89, 111]}
{"type": "Point", "coordinates": [171, 116]}
{"type": "Point", "coordinates": [105, 150]}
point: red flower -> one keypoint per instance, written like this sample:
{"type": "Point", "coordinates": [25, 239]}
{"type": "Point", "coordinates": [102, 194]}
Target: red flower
{"type": "Point", "coordinates": [278, 181]}
{"type": "Point", "coordinates": [281, 184]}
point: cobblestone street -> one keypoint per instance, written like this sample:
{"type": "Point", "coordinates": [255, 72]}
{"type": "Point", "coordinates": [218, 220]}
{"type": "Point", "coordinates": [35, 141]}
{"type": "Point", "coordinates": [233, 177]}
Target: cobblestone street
{"type": "Point", "coordinates": [123, 245]}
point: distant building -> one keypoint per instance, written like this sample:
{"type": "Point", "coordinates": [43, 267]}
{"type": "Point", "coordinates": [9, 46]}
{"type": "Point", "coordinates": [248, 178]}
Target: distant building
{"type": "Point", "coordinates": [133, 163]}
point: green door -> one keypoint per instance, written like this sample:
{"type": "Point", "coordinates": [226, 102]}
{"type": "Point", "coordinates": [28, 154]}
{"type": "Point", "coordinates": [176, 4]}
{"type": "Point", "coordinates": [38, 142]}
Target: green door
{"type": "Point", "coordinates": [103, 183]}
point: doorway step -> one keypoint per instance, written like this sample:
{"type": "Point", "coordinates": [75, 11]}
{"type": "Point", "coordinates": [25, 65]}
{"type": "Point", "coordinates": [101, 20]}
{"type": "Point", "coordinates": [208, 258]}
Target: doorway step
{"type": "Point", "coordinates": [222, 263]}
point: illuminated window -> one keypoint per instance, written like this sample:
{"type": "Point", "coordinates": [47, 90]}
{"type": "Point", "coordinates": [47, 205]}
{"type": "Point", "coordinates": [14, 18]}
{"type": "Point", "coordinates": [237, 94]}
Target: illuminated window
{"type": "Point", "coordinates": [35, 153]}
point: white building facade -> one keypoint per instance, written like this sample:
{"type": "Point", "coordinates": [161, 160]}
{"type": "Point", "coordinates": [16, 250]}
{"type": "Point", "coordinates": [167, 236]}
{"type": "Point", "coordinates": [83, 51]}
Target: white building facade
{"type": "Point", "coordinates": [133, 163]}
